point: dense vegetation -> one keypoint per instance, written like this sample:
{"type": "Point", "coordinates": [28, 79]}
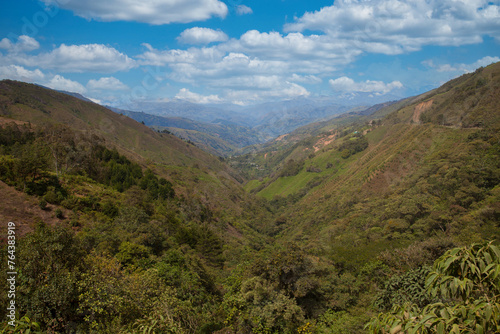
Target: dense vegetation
{"type": "Point", "coordinates": [462, 293]}
{"type": "Point", "coordinates": [379, 223]}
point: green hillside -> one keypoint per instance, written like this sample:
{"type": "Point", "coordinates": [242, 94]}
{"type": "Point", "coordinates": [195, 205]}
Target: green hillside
{"type": "Point", "coordinates": [41, 107]}
{"type": "Point", "coordinates": [397, 186]}
{"type": "Point", "coordinates": [202, 182]}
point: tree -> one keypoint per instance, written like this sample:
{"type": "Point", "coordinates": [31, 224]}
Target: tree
{"type": "Point", "coordinates": [259, 308]}
{"type": "Point", "coordinates": [467, 282]}
{"type": "Point", "coordinates": [50, 261]}
{"type": "Point", "coordinates": [61, 141]}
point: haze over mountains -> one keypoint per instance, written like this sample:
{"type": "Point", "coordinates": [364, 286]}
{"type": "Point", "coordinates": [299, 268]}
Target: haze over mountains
{"type": "Point", "coordinates": [224, 129]}
{"type": "Point", "coordinates": [307, 108]}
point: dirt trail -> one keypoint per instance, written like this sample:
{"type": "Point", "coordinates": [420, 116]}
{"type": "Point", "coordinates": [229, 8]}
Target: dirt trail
{"type": "Point", "coordinates": [419, 109]}
{"type": "Point", "coordinates": [324, 141]}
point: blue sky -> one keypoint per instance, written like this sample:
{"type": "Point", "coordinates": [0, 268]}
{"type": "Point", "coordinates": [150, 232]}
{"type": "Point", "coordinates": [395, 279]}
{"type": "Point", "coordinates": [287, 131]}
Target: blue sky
{"type": "Point", "coordinates": [244, 51]}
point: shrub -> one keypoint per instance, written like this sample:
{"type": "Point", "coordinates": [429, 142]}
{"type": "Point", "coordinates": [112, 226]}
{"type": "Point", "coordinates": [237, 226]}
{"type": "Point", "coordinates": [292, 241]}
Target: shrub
{"type": "Point", "coordinates": [59, 214]}
{"type": "Point", "coordinates": [42, 204]}
{"type": "Point", "coordinates": [467, 279]}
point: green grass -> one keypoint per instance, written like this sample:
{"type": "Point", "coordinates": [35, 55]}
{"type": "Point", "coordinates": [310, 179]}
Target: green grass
{"type": "Point", "coordinates": [287, 185]}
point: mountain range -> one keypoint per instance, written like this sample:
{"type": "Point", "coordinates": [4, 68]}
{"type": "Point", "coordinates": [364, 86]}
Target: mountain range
{"type": "Point", "coordinates": [226, 129]}
{"type": "Point", "coordinates": [331, 215]}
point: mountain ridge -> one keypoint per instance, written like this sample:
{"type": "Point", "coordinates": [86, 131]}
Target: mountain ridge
{"type": "Point", "coordinates": [202, 173]}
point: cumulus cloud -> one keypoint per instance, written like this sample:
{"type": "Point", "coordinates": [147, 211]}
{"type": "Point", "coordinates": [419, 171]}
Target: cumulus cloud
{"type": "Point", "coordinates": [348, 85]}
{"type": "Point", "coordinates": [241, 77]}
{"type": "Point", "coordinates": [247, 89]}
{"type": "Point", "coordinates": [198, 64]}
{"type": "Point", "coordinates": [255, 52]}
{"type": "Point", "coordinates": [462, 68]}
{"type": "Point", "coordinates": [61, 83]}
{"type": "Point", "coordinates": [23, 44]}
{"type": "Point", "coordinates": [58, 82]}
{"type": "Point", "coordinates": [20, 73]}
{"type": "Point", "coordinates": [187, 95]}
{"type": "Point", "coordinates": [155, 12]}
{"type": "Point", "coordinates": [396, 26]}
{"type": "Point", "coordinates": [106, 83]}
{"type": "Point", "coordinates": [78, 58]}
{"type": "Point", "coordinates": [309, 79]}
{"type": "Point", "coordinates": [243, 10]}
{"type": "Point", "coordinates": [282, 90]}
{"type": "Point", "coordinates": [199, 35]}
{"type": "Point", "coordinates": [322, 42]}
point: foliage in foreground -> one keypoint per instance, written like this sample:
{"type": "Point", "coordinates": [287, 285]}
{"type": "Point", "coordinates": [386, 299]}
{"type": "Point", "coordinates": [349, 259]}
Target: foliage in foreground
{"type": "Point", "coordinates": [467, 282]}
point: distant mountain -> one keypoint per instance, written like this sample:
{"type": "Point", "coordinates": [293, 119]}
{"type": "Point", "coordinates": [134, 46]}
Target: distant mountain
{"type": "Point", "coordinates": [236, 126]}
{"type": "Point", "coordinates": [221, 137]}
{"type": "Point", "coordinates": [185, 109]}
{"type": "Point", "coordinates": [278, 118]}
{"type": "Point", "coordinates": [77, 95]}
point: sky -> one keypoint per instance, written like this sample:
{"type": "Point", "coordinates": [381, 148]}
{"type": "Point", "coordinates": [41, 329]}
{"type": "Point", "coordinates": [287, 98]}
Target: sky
{"type": "Point", "coordinates": [244, 52]}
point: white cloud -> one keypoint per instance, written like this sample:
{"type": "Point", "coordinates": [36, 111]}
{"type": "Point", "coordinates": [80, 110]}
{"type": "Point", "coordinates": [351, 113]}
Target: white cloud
{"type": "Point", "coordinates": [148, 11]}
{"type": "Point", "coordinates": [462, 68]}
{"type": "Point", "coordinates": [58, 82]}
{"type": "Point", "coordinates": [199, 35]}
{"type": "Point", "coordinates": [256, 79]}
{"type": "Point", "coordinates": [106, 83]}
{"type": "Point", "coordinates": [396, 26]}
{"type": "Point", "coordinates": [348, 85]}
{"type": "Point", "coordinates": [309, 79]}
{"type": "Point", "coordinates": [79, 58]}
{"type": "Point", "coordinates": [242, 10]}
{"type": "Point", "coordinates": [186, 94]}
{"type": "Point", "coordinates": [20, 73]}
{"type": "Point", "coordinates": [61, 83]}
{"type": "Point", "coordinates": [95, 100]}
{"type": "Point", "coordinates": [24, 44]}
{"type": "Point", "coordinates": [485, 61]}
{"type": "Point", "coordinates": [198, 64]}
{"type": "Point", "coordinates": [247, 89]}
{"type": "Point", "coordinates": [282, 90]}
{"type": "Point", "coordinates": [318, 44]}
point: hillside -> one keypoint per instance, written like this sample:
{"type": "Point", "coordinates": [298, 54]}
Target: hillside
{"type": "Point", "coordinates": [265, 159]}
{"type": "Point", "coordinates": [383, 181]}
{"type": "Point", "coordinates": [42, 106]}
{"type": "Point", "coordinates": [195, 174]}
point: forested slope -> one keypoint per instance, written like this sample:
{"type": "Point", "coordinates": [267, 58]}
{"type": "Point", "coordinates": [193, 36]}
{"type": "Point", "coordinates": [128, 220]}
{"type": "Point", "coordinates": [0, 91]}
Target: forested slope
{"type": "Point", "coordinates": [117, 226]}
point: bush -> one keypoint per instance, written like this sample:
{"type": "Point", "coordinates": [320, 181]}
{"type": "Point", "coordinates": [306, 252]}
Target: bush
{"type": "Point", "coordinates": [467, 279]}
{"type": "Point", "coordinates": [59, 214]}
{"type": "Point", "coordinates": [292, 168]}
{"type": "Point", "coordinates": [42, 204]}
{"type": "Point", "coordinates": [352, 146]}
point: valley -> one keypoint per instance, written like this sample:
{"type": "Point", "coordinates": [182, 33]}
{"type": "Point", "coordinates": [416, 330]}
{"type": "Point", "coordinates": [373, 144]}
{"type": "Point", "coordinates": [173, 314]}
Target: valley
{"type": "Point", "coordinates": [304, 217]}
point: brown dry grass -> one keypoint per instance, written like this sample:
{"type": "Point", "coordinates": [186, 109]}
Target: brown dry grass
{"type": "Point", "coordinates": [23, 210]}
